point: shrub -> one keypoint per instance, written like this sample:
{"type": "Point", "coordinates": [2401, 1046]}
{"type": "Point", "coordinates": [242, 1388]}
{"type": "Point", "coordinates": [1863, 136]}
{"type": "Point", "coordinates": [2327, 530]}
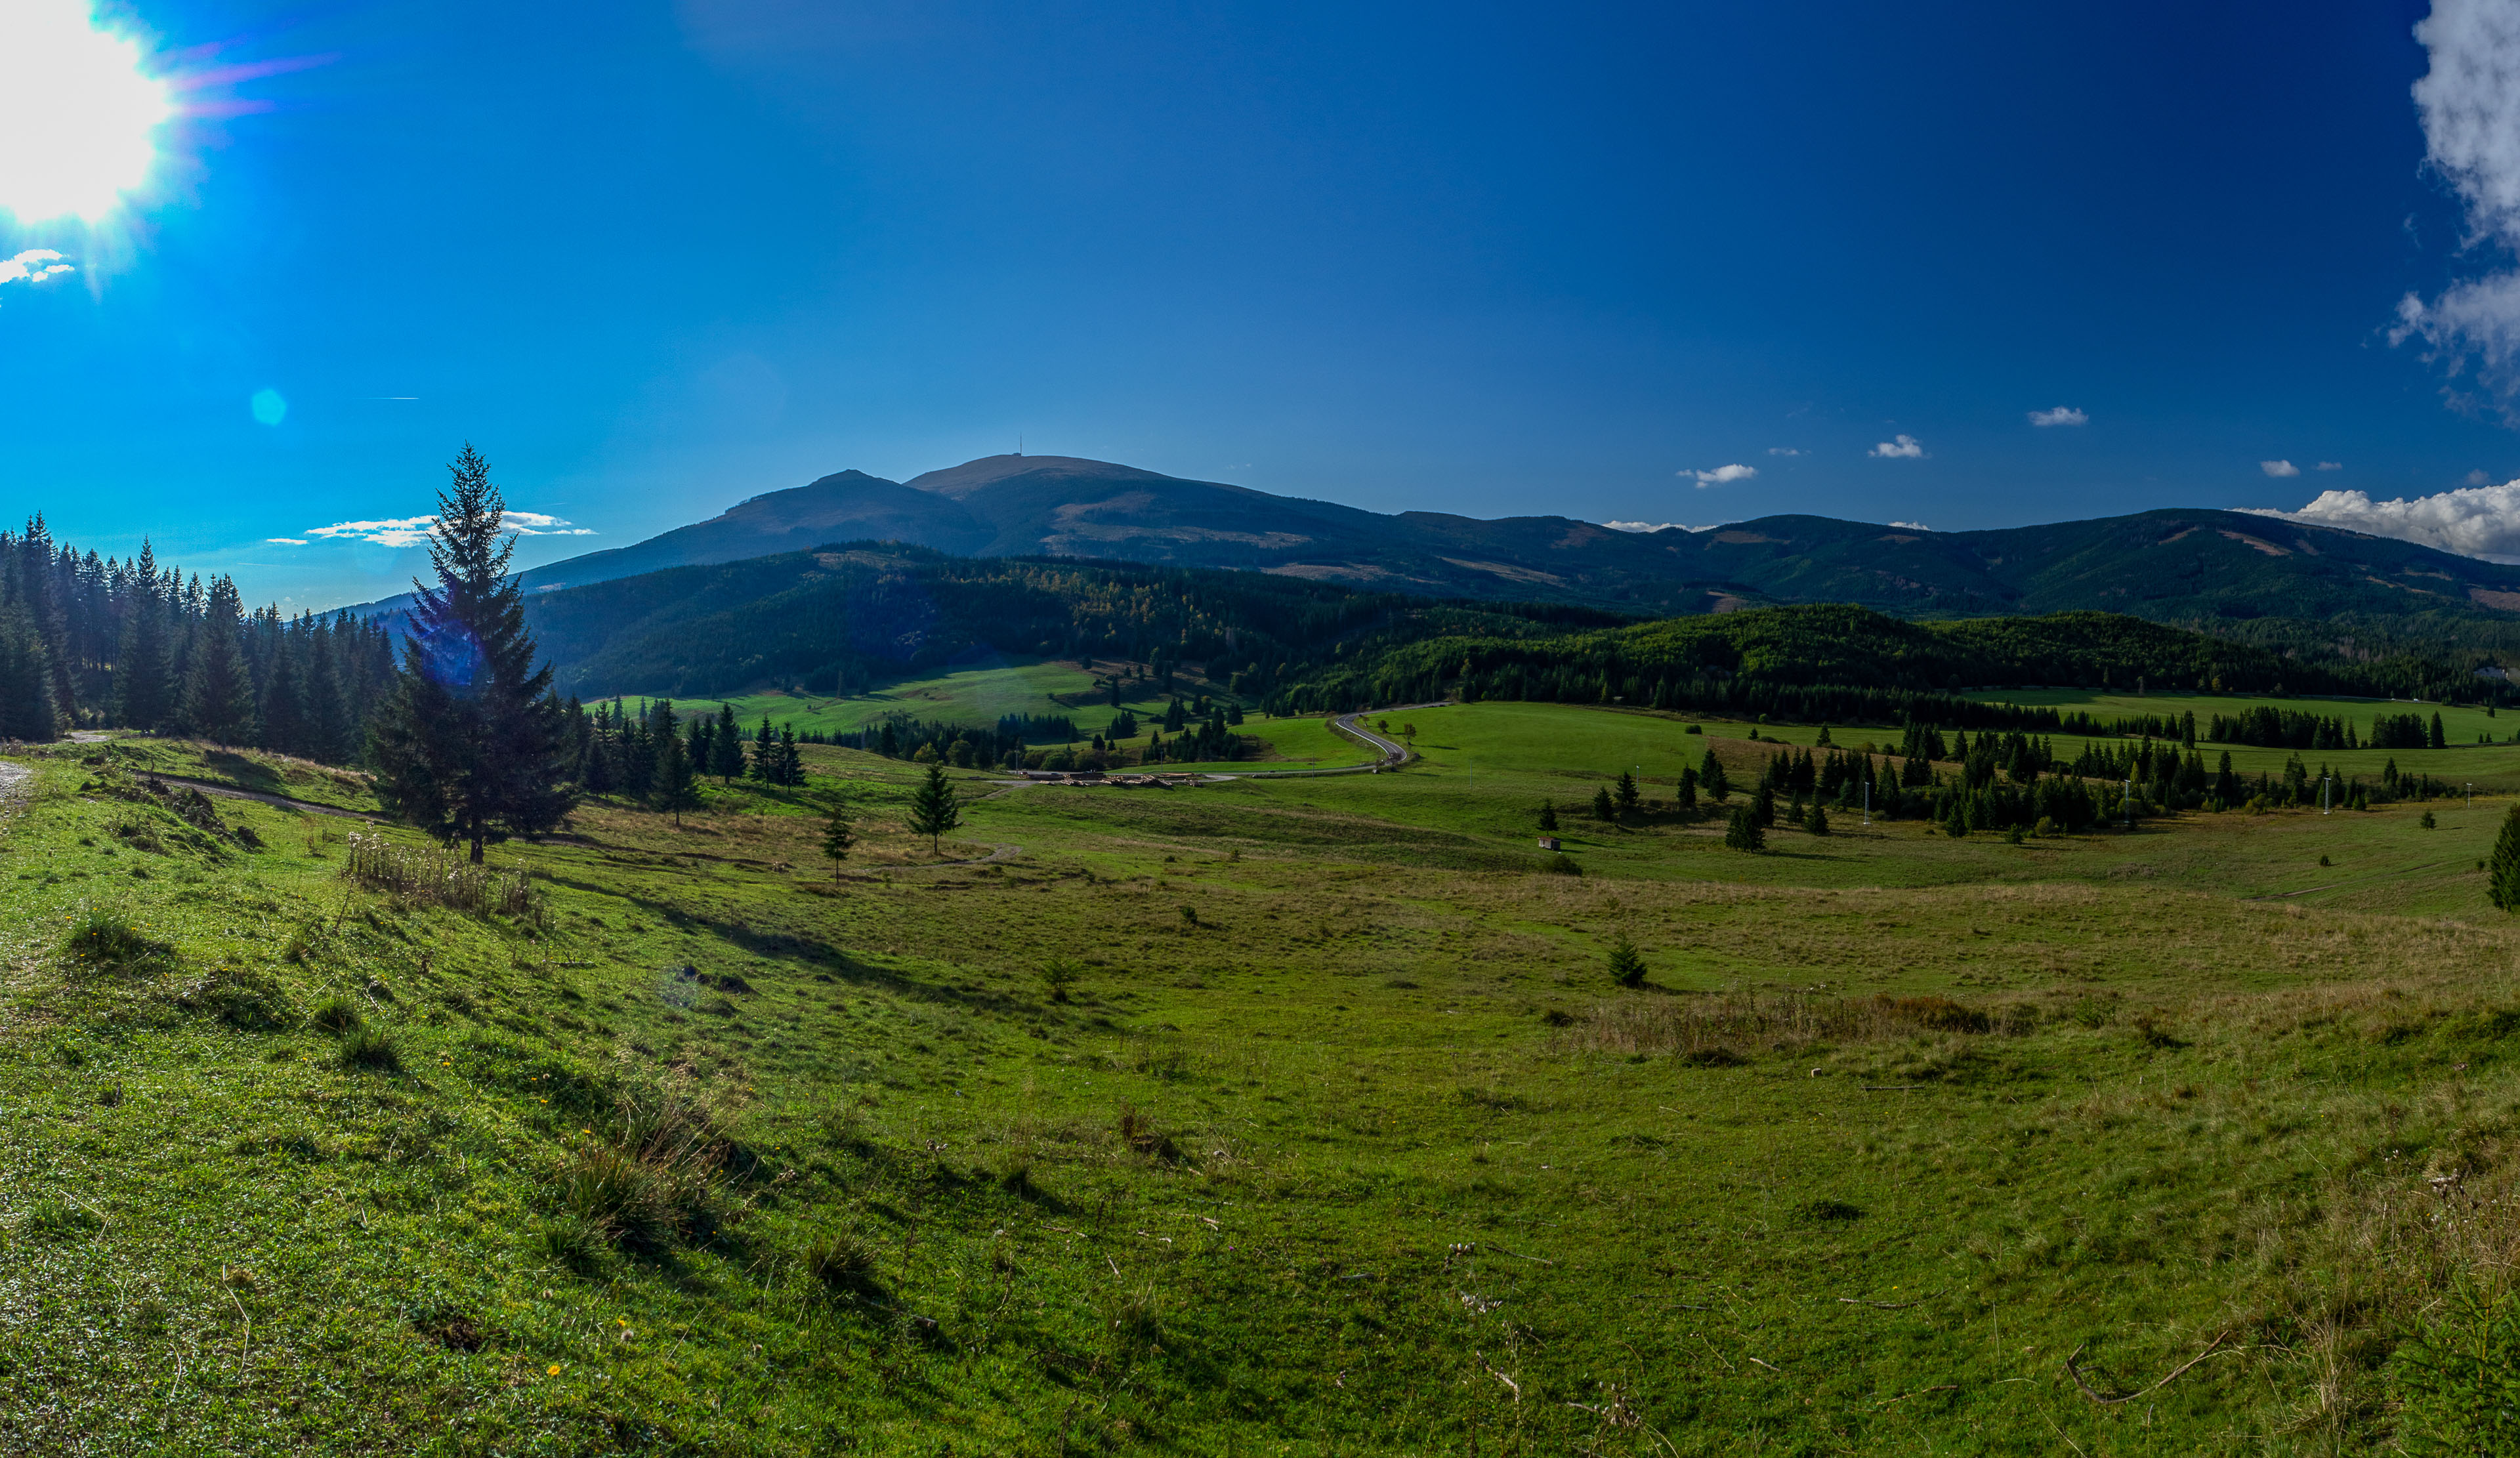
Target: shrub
{"type": "Point", "coordinates": [1562, 864]}
{"type": "Point", "coordinates": [2428, 823]}
{"type": "Point", "coordinates": [1058, 975]}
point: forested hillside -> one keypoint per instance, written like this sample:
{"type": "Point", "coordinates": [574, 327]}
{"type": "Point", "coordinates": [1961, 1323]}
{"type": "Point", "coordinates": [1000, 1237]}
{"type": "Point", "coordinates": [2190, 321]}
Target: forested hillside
{"type": "Point", "coordinates": [1852, 665]}
{"type": "Point", "coordinates": [91, 641]}
{"type": "Point", "coordinates": [833, 620]}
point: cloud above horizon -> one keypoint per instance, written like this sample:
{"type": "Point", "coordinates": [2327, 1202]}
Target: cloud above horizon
{"type": "Point", "coordinates": [2062, 414]}
{"type": "Point", "coordinates": [33, 266]}
{"type": "Point", "coordinates": [411, 531]}
{"type": "Point", "coordinates": [2470, 112]}
{"type": "Point", "coordinates": [1722, 475]}
{"type": "Point", "coordinates": [1898, 448]}
{"type": "Point", "coordinates": [1784, 450]}
{"type": "Point", "coordinates": [2279, 468]}
{"type": "Point", "coordinates": [1914, 526]}
{"type": "Point", "coordinates": [2478, 522]}
{"type": "Point", "coordinates": [1654, 527]}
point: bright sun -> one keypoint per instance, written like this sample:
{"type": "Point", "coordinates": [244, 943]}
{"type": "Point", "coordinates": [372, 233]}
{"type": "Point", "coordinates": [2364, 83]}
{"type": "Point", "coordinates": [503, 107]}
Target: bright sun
{"type": "Point", "coordinates": [77, 117]}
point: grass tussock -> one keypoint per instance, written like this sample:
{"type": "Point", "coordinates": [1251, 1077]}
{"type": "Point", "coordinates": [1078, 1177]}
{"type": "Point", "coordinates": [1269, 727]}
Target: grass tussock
{"type": "Point", "coordinates": [441, 878]}
{"type": "Point", "coordinates": [104, 939]}
{"type": "Point", "coordinates": [657, 1176]}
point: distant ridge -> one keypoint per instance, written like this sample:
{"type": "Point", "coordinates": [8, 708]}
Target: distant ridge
{"type": "Point", "coordinates": [2175, 566]}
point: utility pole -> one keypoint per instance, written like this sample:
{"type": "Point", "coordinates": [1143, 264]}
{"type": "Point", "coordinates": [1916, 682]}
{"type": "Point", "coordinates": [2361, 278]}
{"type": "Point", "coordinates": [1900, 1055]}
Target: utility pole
{"type": "Point", "coordinates": [2127, 803]}
{"type": "Point", "coordinates": [1867, 801]}
{"type": "Point", "coordinates": [2322, 794]}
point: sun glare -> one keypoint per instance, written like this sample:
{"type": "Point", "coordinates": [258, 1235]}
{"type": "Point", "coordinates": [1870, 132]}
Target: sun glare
{"type": "Point", "coordinates": [78, 117]}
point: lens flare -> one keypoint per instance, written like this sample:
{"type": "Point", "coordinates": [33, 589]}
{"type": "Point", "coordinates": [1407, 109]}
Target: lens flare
{"type": "Point", "coordinates": [78, 117]}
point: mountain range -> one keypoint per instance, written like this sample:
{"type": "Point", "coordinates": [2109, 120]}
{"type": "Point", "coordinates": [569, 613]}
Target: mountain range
{"type": "Point", "coordinates": [2174, 565]}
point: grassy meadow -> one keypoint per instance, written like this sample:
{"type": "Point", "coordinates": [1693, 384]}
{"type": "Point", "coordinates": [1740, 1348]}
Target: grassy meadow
{"type": "Point", "coordinates": [1341, 1141]}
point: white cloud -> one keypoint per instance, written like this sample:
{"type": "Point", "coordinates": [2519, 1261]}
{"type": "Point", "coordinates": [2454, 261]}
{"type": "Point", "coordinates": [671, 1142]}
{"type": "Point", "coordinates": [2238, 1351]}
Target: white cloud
{"type": "Point", "coordinates": [1914, 526]}
{"type": "Point", "coordinates": [2479, 521]}
{"type": "Point", "coordinates": [2329, 465]}
{"type": "Point", "coordinates": [411, 531]}
{"type": "Point", "coordinates": [2062, 414]}
{"type": "Point", "coordinates": [2470, 112]}
{"type": "Point", "coordinates": [286, 540]}
{"type": "Point", "coordinates": [2279, 468]}
{"type": "Point", "coordinates": [1651, 526]}
{"type": "Point", "coordinates": [1722, 475]}
{"type": "Point", "coordinates": [1898, 448]}
{"type": "Point", "coordinates": [2479, 479]}
{"type": "Point", "coordinates": [536, 524]}
{"type": "Point", "coordinates": [1784, 450]}
{"type": "Point", "coordinates": [33, 266]}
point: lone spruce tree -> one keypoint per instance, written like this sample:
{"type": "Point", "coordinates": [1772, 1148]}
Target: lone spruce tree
{"type": "Point", "coordinates": [935, 809]}
{"type": "Point", "coordinates": [839, 837]}
{"type": "Point", "coordinates": [469, 743]}
{"type": "Point", "coordinates": [2502, 871]}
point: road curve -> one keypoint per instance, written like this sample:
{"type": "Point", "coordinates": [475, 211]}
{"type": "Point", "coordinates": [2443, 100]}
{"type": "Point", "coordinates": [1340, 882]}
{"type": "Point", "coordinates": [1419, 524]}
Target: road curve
{"type": "Point", "coordinates": [1391, 753]}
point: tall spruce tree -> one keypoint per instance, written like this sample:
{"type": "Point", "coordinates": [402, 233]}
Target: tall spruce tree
{"type": "Point", "coordinates": [28, 710]}
{"type": "Point", "coordinates": [143, 696]}
{"type": "Point", "coordinates": [935, 809]}
{"type": "Point", "coordinates": [677, 778]}
{"type": "Point", "coordinates": [2502, 871]}
{"type": "Point", "coordinates": [218, 693]}
{"type": "Point", "coordinates": [471, 744]}
{"type": "Point", "coordinates": [726, 747]}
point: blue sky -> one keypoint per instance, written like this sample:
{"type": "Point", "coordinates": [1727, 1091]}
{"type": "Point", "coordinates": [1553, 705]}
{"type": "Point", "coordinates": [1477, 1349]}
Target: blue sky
{"type": "Point", "coordinates": [652, 259]}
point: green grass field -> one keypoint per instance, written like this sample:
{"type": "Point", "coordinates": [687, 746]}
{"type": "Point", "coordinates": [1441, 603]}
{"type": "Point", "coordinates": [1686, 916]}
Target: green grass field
{"type": "Point", "coordinates": [1343, 1141]}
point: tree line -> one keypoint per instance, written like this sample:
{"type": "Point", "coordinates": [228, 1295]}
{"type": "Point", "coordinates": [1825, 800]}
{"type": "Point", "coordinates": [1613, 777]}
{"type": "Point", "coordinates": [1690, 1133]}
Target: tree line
{"type": "Point", "coordinates": [90, 642]}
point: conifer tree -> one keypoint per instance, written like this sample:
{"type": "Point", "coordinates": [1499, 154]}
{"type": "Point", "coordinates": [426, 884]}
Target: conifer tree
{"type": "Point", "coordinates": [1816, 822]}
{"type": "Point", "coordinates": [765, 752]}
{"type": "Point", "coordinates": [1710, 777]}
{"type": "Point", "coordinates": [839, 837]}
{"type": "Point", "coordinates": [2435, 739]}
{"type": "Point", "coordinates": [936, 810]}
{"type": "Point", "coordinates": [26, 707]}
{"type": "Point", "coordinates": [1627, 968]}
{"type": "Point", "coordinates": [219, 694]}
{"type": "Point", "coordinates": [283, 704]}
{"type": "Point", "coordinates": [1743, 832]}
{"type": "Point", "coordinates": [143, 698]}
{"type": "Point", "coordinates": [469, 743]}
{"type": "Point", "coordinates": [1625, 795]}
{"type": "Point", "coordinates": [2502, 870]}
{"type": "Point", "coordinates": [677, 782]}
{"type": "Point", "coordinates": [1603, 809]}
{"type": "Point", "coordinates": [791, 765]}
{"type": "Point", "coordinates": [726, 747]}
{"type": "Point", "coordinates": [1548, 816]}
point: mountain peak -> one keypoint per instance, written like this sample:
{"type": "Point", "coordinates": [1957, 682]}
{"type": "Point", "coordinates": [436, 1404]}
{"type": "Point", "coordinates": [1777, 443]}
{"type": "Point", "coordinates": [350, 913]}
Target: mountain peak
{"type": "Point", "coordinates": [958, 481]}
